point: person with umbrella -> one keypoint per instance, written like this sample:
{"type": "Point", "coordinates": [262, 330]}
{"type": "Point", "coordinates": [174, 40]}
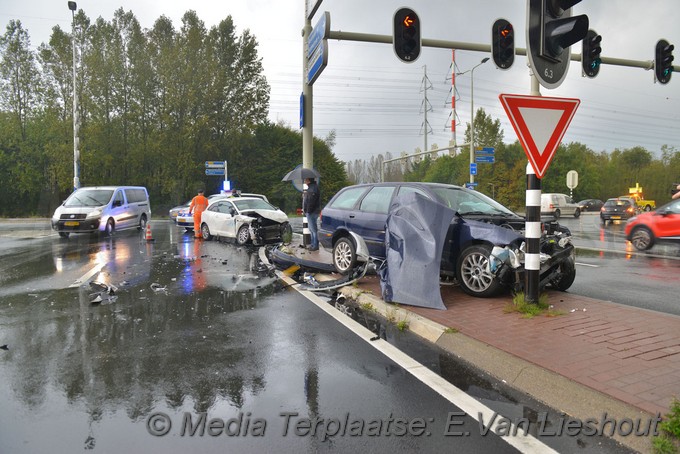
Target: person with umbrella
{"type": "Point", "coordinates": [311, 202]}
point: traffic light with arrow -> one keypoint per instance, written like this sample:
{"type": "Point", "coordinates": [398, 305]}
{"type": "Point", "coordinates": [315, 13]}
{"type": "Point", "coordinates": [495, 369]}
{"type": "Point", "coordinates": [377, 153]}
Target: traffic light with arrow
{"type": "Point", "coordinates": [406, 36]}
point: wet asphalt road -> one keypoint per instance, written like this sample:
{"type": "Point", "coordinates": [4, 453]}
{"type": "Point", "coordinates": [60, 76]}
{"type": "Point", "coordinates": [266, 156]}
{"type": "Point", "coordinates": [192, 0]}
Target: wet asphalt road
{"type": "Point", "coordinates": [192, 329]}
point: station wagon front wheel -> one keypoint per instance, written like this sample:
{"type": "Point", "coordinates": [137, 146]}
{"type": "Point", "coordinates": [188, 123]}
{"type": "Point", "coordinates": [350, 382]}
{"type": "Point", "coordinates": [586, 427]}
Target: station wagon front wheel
{"type": "Point", "coordinates": [472, 272]}
{"type": "Point", "coordinates": [344, 255]}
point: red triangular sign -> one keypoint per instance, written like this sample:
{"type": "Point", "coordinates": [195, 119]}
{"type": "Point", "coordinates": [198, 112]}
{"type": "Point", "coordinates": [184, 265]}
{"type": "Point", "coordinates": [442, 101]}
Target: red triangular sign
{"type": "Point", "coordinates": [540, 124]}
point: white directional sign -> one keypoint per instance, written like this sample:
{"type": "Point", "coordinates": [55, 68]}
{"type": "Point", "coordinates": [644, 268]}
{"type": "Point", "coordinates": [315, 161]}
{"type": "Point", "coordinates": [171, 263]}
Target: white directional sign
{"type": "Point", "coordinates": [540, 123]}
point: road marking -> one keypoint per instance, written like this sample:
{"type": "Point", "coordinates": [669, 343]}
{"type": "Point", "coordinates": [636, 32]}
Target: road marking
{"type": "Point", "coordinates": [471, 407]}
{"type": "Point", "coordinates": [86, 277]}
{"type": "Point", "coordinates": [588, 264]}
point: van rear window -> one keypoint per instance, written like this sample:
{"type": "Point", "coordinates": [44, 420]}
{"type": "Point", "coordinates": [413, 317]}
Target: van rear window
{"type": "Point", "coordinates": [135, 195]}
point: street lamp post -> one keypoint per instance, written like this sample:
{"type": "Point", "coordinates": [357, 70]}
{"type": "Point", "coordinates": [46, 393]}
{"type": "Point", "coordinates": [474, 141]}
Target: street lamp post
{"type": "Point", "coordinates": [472, 117]}
{"type": "Point", "coordinates": [76, 154]}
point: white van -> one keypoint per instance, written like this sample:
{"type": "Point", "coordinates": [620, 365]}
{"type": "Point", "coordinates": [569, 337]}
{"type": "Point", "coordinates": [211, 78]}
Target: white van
{"type": "Point", "coordinates": [103, 209]}
{"type": "Point", "coordinates": [556, 205]}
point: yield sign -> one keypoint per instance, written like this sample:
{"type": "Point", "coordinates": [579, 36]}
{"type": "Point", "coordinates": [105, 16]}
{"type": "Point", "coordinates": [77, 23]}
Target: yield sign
{"type": "Point", "coordinates": [540, 124]}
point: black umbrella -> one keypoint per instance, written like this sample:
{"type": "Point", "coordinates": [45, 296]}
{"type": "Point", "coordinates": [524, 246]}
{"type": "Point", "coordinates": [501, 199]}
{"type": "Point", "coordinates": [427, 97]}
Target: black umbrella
{"type": "Point", "coordinates": [300, 173]}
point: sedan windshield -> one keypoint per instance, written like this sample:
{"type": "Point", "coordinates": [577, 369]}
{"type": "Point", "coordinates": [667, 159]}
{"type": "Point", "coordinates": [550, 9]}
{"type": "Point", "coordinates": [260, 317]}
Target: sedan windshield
{"type": "Point", "coordinates": [252, 204]}
{"type": "Point", "coordinates": [89, 198]}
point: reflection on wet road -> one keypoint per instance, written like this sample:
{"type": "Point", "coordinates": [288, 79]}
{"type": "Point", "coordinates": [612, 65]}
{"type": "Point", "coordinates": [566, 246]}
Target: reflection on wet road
{"type": "Point", "coordinates": [190, 333]}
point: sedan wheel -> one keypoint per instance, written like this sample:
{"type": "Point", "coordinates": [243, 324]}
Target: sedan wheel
{"type": "Point", "coordinates": [642, 238]}
{"type": "Point", "coordinates": [205, 232]}
{"type": "Point", "coordinates": [577, 213]}
{"type": "Point", "coordinates": [344, 256]}
{"type": "Point", "coordinates": [472, 272]}
{"type": "Point", "coordinates": [243, 235]}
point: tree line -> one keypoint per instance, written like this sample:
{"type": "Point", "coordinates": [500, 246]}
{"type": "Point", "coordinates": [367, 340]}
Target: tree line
{"type": "Point", "coordinates": [154, 105]}
{"type": "Point", "coordinates": [601, 175]}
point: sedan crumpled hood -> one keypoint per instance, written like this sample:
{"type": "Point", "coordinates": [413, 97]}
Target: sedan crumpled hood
{"type": "Point", "coordinates": [276, 216]}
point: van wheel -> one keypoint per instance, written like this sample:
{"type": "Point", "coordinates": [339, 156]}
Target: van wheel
{"type": "Point", "coordinates": [63, 234]}
{"type": "Point", "coordinates": [577, 213]}
{"type": "Point", "coordinates": [472, 273]}
{"type": "Point", "coordinates": [110, 227]}
{"type": "Point", "coordinates": [142, 223]}
{"type": "Point", "coordinates": [558, 213]}
{"type": "Point", "coordinates": [344, 255]}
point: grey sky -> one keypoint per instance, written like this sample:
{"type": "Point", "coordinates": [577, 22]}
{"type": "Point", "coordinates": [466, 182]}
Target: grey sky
{"type": "Point", "coordinates": [374, 101]}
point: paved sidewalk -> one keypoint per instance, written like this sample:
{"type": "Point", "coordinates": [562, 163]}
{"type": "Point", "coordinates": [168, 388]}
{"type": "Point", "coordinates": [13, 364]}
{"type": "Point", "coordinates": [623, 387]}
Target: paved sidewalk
{"type": "Point", "coordinates": [595, 357]}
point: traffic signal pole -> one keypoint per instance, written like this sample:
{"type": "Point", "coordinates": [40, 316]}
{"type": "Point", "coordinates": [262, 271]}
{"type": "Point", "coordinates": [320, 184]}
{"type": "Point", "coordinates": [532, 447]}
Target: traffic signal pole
{"type": "Point", "coordinates": [476, 47]}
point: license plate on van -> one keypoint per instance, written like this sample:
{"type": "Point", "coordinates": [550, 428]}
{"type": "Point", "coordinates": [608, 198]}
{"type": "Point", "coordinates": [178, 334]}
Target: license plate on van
{"type": "Point", "coordinates": [71, 224]}
{"type": "Point", "coordinates": [616, 217]}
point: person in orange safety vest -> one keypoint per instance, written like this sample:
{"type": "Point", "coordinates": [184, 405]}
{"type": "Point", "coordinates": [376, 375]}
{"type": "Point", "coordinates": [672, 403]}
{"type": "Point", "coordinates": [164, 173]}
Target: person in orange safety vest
{"type": "Point", "coordinates": [198, 206]}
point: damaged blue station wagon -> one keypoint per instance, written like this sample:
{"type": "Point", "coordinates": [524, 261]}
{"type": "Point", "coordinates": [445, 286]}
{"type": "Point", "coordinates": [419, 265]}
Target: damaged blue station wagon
{"type": "Point", "coordinates": [480, 242]}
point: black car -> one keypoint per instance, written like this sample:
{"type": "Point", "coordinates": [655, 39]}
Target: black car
{"type": "Point", "coordinates": [590, 205]}
{"type": "Point", "coordinates": [478, 226]}
{"type": "Point", "coordinates": [616, 209]}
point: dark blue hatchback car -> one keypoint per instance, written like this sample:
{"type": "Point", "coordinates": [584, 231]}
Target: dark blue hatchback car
{"type": "Point", "coordinates": [480, 225]}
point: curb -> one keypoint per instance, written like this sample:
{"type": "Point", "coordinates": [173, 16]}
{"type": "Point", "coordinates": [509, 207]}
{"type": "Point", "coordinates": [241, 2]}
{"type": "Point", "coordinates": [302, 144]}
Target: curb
{"type": "Point", "coordinates": [554, 390]}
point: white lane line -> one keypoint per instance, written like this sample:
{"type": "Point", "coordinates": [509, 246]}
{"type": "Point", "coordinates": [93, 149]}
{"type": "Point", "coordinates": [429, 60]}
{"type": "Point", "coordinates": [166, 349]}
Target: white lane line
{"type": "Point", "coordinates": [471, 407]}
{"type": "Point", "coordinates": [587, 264]}
{"type": "Point", "coordinates": [86, 277]}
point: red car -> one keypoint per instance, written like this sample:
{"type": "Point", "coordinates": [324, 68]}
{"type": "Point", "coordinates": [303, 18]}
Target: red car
{"type": "Point", "coordinates": [645, 229]}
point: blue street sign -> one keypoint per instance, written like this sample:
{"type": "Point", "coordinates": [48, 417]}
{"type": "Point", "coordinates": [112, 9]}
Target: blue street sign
{"type": "Point", "coordinates": [214, 171]}
{"type": "Point", "coordinates": [319, 33]}
{"type": "Point", "coordinates": [317, 48]}
{"type": "Point", "coordinates": [473, 168]}
{"type": "Point", "coordinates": [485, 150]}
{"type": "Point", "coordinates": [489, 159]}
{"type": "Point", "coordinates": [317, 62]}
{"type": "Point", "coordinates": [302, 110]}
{"type": "Point", "coordinates": [214, 164]}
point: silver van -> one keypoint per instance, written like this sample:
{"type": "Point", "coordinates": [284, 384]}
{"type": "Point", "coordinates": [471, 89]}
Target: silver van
{"type": "Point", "coordinates": [103, 209]}
{"type": "Point", "coordinates": [556, 204]}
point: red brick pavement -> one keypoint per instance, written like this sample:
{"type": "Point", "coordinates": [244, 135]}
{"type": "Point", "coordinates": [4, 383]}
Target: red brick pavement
{"type": "Point", "coordinates": [628, 353]}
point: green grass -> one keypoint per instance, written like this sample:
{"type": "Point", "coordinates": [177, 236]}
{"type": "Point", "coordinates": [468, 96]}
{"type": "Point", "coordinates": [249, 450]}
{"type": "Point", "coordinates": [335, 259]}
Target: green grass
{"type": "Point", "coordinates": [530, 310]}
{"type": "Point", "coordinates": [402, 325]}
{"type": "Point", "coordinates": [450, 330]}
{"type": "Point", "coordinates": [668, 442]}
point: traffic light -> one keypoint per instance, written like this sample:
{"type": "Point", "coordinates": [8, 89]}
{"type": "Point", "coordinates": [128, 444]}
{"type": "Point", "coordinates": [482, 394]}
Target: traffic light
{"type": "Point", "coordinates": [406, 37]}
{"type": "Point", "coordinates": [663, 61]}
{"type": "Point", "coordinates": [590, 55]}
{"type": "Point", "coordinates": [503, 44]}
{"type": "Point", "coordinates": [552, 30]}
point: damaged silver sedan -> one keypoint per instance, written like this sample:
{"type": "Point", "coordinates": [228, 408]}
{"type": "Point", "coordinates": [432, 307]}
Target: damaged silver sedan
{"type": "Point", "coordinates": [246, 220]}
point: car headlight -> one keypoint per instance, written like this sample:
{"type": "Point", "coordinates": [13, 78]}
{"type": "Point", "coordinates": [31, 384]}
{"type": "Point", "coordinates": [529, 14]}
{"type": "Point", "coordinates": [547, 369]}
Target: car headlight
{"type": "Point", "coordinates": [96, 213]}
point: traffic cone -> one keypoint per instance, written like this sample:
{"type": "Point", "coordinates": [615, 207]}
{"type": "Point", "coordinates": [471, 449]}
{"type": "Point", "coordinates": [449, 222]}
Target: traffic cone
{"type": "Point", "coordinates": [149, 237]}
